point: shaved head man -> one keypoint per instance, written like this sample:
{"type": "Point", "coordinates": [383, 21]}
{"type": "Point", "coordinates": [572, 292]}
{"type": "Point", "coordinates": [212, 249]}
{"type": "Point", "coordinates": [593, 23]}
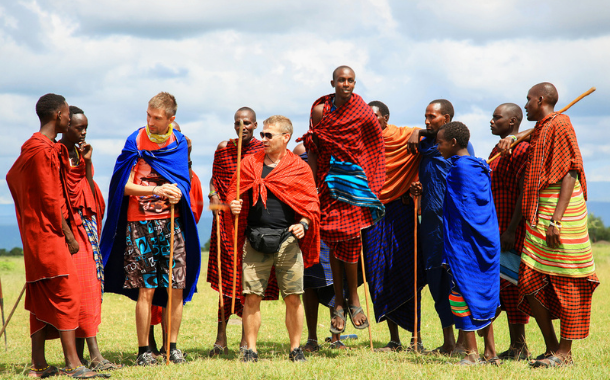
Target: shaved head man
{"type": "Point", "coordinates": [506, 178]}
{"type": "Point", "coordinates": [557, 273]}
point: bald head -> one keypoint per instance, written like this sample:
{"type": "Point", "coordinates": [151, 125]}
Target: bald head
{"type": "Point", "coordinates": [511, 110]}
{"type": "Point", "coordinates": [249, 111]}
{"type": "Point", "coordinates": [541, 100]}
{"type": "Point", "coordinates": [547, 91]}
{"type": "Point", "coordinates": [341, 68]}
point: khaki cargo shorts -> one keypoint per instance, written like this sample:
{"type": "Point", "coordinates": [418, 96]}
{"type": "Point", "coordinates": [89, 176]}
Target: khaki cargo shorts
{"type": "Point", "coordinates": [289, 269]}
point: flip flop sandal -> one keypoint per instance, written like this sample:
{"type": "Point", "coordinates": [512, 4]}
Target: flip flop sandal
{"type": "Point", "coordinates": [390, 347]}
{"type": "Point", "coordinates": [106, 365]}
{"type": "Point", "coordinates": [466, 362]}
{"type": "Point", "coordinates": [438, 351]}
{"type": "Point", "coordinates": [551, 361]}
{"type": "Point", "coordinates": [513, 354]}
{"type": "Point", "coordinates": [341, 315]}
{"type": "Point", "coordinates": [43, 372]}
{"type": "Point", "coordinates": [420, 348]}
{"type": "Point", "coordinates": [81, 372]}
{"type": "Point", "coordinates": [338, 345]}
{"type": "Point", "coordinates": [218, 350]}
{"type": "Point", "coordinates": [311, 346]}
{"type": "Point", "coordinates": [493, 361]}
{"type": "Point", "coordinates": [353, 311]}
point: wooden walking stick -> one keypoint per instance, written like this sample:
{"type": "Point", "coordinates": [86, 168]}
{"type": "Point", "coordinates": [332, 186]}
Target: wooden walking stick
{"type": "Point", "coordinates": [415, 329]}
{"type": "Point", "coordinates": [241, 136]}
{"type": "Point", "coordinates": [12, 311]}
{"type": "Point", "coordinates": [169, 285]}
{"type": "Point", "coordinates": [366, 295]}
{"type": "Point", "coordinates": [218, 209]}
{"type": "Point", "coordinates": [2, 308]}
{"type": "Point", "coordinates": [564, 109]}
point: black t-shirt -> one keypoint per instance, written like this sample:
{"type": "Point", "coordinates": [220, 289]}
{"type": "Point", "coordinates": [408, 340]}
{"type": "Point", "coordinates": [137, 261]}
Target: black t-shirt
{"type": "Point", "coordinates": [277, 214]}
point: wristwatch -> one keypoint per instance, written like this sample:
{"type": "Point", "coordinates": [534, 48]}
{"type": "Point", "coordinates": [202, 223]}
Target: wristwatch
{"type": "Point", "coordinates": [305, 225]}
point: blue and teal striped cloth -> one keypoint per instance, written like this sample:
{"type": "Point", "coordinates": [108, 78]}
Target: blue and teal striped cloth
{"type": "Point", "coordinates": [347, 182]}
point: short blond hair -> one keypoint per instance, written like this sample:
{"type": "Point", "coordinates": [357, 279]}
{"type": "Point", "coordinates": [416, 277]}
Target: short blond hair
{"type": "Point", "coordinates": [282, 122]}
{"type": "Point", "coordinates": [166, 102]}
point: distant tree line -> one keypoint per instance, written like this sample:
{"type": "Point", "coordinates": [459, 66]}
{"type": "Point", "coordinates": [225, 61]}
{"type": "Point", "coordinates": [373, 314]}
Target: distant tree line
{"type": "Point", "coordinates": [13, 252]}
{"type": "Point", "coordinates": [597, 230]}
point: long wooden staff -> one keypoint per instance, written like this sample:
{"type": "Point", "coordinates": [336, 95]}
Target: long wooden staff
{"type": "Point", "coordinates": [169, 286]}
{"type": "Point", "coordinates": [366, 295]}
{"type": "Point", "coordinates": [12, 311]}
{"type": "Point", "coordinates": [564, 109]}
{"type": "Point", "coordinates": [218, 209]}
{"type": "Point", "coordinates": [2, 307]}
{"type": "Point", "coordinates": [415, 212]}
{"type": "Point", "coordinates": [241, 136]}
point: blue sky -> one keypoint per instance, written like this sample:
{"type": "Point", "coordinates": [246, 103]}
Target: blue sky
{"type": "Point", "coordinates": [109, 57]}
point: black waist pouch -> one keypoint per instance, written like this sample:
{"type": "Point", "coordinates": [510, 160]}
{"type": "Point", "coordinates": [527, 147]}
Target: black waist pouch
{"type": "Point", "coordinates": [267, 240]}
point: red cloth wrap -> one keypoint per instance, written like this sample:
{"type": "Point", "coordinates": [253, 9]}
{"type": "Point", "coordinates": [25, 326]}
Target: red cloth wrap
{"type": "Point", "coordinates": [505, 175]}
{"type": "Point", "coordinates": [291, 181]}
{"type": "Point", "coordinates": [225, 166]}
{"type": "Point", "coordinates": [196, 195]}
{"type": "Point", "coordinates": [351, 133]}
{"type": "Point", "coordinates": [39, 195]}
{"type": "Point", "coordinates": [81, 198]}
{"type": "Point", "coordinates": [553, 153]}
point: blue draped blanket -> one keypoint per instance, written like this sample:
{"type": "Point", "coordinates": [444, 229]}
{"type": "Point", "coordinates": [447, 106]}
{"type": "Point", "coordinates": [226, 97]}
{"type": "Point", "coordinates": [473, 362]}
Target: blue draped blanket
{"type": "Point", "coordinates": [171, 163]}
{"type": "Point", "coordinates": [471, 239]}
{"type": "Point", "coordinates": [347, 182]}
{"type": "Point", "coordinates": [389, 259]}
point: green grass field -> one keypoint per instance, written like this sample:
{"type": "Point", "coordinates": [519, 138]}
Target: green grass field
{"type": "Point", "coordinates": [117, 340]}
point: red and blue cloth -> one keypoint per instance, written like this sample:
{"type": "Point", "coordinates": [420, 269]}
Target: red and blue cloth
{"type": "Point", "coordinates": [171, 163]}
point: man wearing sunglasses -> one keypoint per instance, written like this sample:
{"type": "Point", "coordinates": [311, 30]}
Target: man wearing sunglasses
{"type": "Point", "coordinates": [282, 230]}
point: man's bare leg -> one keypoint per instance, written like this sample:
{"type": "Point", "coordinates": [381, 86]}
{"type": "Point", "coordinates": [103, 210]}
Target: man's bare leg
{"type": "Point", "coordinates": [38, 350]}
{"type": "Point", "coordinates": [351, 271]}
{"type": "Point", "coordinates": [488, 339]}
{"type": "Point", "coordinates": [543, 318]}
{"type": "Point", "coordinates": [311, 304]}
{"type": "Point", "coordinates": [68, 344]}
{"type": "Point", "coordinates": [177, 307]}
{"type": "Point", "coordinates": [294, 319]}
{"type": "Point", "coordinates": [517, 338]}
{"type": "Point", "coordinates": [252, 319]}
{"type": "Point", "coordinates": [337, 270]}
{"type": "Point", "coordinates": [143, 305]}
{"type": "Point", "coordinates": [460, 344]}
{"type": "Point", "coordinates": [448, 339]}
{"type": "Point", "coordinates": [470, 341]}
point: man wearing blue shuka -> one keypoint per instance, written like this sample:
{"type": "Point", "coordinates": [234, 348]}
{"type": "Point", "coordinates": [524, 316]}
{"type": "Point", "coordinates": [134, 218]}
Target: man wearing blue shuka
{"type": "Point", "coordinates": [150, 175]}
{"type": "Point", "coordinates": [471, 242]}
{"type": "Point", "coordinates": [433, 169]}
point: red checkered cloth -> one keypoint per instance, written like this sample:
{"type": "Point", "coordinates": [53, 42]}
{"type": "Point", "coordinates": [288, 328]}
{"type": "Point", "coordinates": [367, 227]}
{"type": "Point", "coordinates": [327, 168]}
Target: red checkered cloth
{"type": "Point", "coordinates": [291, 181]}
{"type": "Point", "coordinates": [509, 299]}
{"type": "Point", "coordinates": [225, 166]}
{"type": "Point", "coordinates": [239, 307]}
{"type": "Point", "coordinates": [351, 133]}
{"type": "Point", "coordinates": [196, 196]}
{"type": "Point", "coordinates": [156, 315]}
{"type": "Point", "coordinates": [346, 250]}
{"type": "Point", "coordinates": [505, 174]}
{"type": "Point", "coordinates": [567, 299]}
{"type": "Point", "coordinates": [553, 153]}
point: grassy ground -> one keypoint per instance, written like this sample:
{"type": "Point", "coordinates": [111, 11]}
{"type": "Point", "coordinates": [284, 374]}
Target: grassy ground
{"type": "Point", "coordinates": [117, 340]}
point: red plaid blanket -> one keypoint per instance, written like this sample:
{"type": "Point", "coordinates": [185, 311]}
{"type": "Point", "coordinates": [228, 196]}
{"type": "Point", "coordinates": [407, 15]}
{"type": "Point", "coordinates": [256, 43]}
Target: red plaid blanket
{"type": "Point", "coordinates": [225, 166]}
{"type": "Point", "coordinates": [553, 153]}
{"type": "Point", "coordinates": [292, 183]}
{"type": "Point", "coordinates": [351, 133]}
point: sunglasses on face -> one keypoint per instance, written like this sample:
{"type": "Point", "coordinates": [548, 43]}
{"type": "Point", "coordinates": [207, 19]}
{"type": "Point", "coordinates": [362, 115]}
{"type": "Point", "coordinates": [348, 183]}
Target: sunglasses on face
{"type": "Point", "coordinates": [269, 136]}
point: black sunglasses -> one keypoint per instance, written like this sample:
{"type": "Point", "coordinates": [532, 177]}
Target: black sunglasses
{"type": "Point", "coordinates": [269, 136]}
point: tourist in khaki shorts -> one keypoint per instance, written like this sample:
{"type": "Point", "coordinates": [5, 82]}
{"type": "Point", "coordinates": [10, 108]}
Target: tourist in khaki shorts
{"type": "Point", "coordinates": [280, 203]}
